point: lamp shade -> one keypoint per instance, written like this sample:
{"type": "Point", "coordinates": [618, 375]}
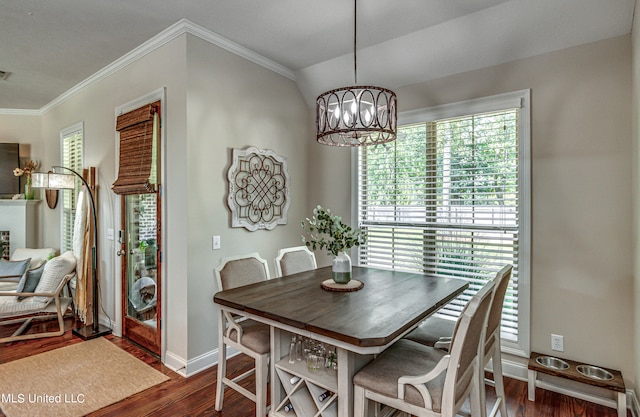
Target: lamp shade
{"type": "Point", "coordinates": [53, 181]}
{"type": "Point", "coordinates": [356, 116]}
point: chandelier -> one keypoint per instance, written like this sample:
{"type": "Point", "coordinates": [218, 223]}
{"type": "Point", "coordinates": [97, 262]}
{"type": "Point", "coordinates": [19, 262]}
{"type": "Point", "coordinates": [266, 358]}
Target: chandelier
{"type": "Point", "coordinates": [358, 115]}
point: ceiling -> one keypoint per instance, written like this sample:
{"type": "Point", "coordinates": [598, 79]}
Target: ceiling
{"type": "Point", "coordinates": [48, 47]}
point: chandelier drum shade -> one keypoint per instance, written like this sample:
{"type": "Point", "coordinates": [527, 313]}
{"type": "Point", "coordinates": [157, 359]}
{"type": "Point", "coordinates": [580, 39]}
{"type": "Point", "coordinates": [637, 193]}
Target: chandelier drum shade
{"type": "Point", "coordinates": [356, 116]}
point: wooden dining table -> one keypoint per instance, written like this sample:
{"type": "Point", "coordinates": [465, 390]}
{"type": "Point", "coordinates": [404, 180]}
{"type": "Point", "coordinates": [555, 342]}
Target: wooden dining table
{"type": "Point", "coordinates": [359, 324]}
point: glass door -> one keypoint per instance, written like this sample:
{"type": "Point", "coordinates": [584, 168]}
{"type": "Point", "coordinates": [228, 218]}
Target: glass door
{"type": "Point", "coordinates": [141, 270]}
{"type": "Point", "coordinates": [140, 238]}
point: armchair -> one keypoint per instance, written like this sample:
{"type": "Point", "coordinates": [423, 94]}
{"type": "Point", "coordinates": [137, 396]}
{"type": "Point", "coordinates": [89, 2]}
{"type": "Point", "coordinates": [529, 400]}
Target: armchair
{"type": "Point", "coordinates": [44, 303]}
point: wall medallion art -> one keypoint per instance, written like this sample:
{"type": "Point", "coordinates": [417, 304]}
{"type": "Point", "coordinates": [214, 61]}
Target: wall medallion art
{"type": "Point", "coordinates": [258, 189]}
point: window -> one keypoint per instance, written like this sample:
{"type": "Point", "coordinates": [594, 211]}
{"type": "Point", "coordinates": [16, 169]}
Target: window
{"type": "Point", "coordinates": [450, 197]}
{"type": "Point", "coordinates": [71, 144]}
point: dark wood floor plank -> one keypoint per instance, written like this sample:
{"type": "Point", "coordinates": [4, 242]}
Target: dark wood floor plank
{"type": "Point", "coordinates": [195, 396]}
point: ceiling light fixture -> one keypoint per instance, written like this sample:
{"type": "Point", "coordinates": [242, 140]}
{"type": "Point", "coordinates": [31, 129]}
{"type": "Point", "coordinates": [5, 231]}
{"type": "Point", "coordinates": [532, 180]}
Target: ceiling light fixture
{"type": "Point", "coordinates": [358, 115]}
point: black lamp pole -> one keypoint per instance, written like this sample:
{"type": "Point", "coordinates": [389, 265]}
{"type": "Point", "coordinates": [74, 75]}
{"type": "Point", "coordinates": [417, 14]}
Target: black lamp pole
{"type": "Point", "coordinates": [96, 329]}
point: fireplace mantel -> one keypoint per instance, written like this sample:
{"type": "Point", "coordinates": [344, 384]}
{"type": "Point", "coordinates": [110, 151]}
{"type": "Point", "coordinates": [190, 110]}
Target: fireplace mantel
{"type": "Point", "coordinates": [19, 218]}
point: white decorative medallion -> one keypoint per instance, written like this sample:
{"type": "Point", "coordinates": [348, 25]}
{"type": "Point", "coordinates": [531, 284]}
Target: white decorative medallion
{"type": "Point", "coordinates": [258, 189]}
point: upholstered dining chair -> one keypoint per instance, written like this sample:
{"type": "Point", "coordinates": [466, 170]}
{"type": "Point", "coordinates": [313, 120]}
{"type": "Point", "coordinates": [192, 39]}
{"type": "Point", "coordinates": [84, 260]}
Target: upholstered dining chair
{"type": "Point", "coordinates": [293, 260]}
{"type": "Point", "coordinates": [424, 381]}
{"type": "Point", "coordinates": [245, 335]}
{"type": "Point", "coordinates": [437, 332]}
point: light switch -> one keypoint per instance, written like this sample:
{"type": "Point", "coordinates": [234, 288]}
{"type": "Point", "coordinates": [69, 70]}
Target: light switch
{"type": "Point", "coordinates": [110, 235]}
{"type": "Point", "coordinates": [216, 242]}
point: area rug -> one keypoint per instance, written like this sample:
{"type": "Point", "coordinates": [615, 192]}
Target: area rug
{"type": "Point", "coordinates": [73, 380]}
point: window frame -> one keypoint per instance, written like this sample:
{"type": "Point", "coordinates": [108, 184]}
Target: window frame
{"type": "Point", "coordinates": [521, 99]}
{"type": "Point", "coordinates": [64, 134]}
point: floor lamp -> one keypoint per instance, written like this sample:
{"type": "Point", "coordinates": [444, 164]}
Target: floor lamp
{"type": "Point", "coordinates": [67, 182]}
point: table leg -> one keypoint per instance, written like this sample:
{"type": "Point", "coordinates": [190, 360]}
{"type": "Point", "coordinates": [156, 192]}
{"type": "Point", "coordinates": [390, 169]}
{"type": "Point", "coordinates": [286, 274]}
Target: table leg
{"type": "Point", "coordinates": [346, 370]}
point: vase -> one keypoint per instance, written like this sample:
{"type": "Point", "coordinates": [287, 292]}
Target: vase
{"type": "Point", "coordinates": [28, 190]}
{"type": "Point", "coordinates": [341, 268]}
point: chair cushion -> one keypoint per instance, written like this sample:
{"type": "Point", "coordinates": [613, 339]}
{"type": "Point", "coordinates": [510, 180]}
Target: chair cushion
{"type": "Point", "coordinates": [431, 330]}
{"type": "Point", "coordinates": [54, 272]}
{"type": "Point", "coordinates": [13, 268]}
{"type": "Point", "coordinates": [29, 281]}
{"type": "Point", "coordinates": [403, 358]}
{"type": "Point", "coordinates": [255, 336]}
{"type": "Point", "coordinates": [10, 307]}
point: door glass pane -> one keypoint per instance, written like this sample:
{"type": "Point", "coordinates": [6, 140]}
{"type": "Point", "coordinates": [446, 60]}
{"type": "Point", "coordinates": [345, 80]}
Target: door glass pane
{"type": "Point", "coordinates": [142, 259]}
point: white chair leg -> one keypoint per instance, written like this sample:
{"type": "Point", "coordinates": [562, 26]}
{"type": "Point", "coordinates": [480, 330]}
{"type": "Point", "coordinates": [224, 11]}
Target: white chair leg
{"type": "Point", "coordinates": [499, 382]}
{"type": "Point", "coordinates": [482, 393]}
{"type": "Point", "coordinates": [474, 400]}
{"type": "Point", "coordinates": [360, 402]}
{"type": "Point", "coordinates": [222, 366]}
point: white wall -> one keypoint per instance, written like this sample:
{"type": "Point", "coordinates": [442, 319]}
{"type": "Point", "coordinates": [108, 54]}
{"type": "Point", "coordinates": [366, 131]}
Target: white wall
{"type": "Point", "coordinates": [582, 265]}
{"type": "Point", "coordinates": [95, 106]}
{"type": "Point", "coordinates": [635, 111]}
{"type": "Point", "coordinates": [233, 103]}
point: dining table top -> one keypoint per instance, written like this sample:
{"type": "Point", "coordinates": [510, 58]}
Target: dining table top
{"type": "Point", "coordinates": [388, 305]}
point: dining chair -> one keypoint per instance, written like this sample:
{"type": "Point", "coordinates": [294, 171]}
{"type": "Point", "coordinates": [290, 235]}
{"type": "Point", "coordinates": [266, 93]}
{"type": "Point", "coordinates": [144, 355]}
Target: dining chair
{"type": "Point", "coordinates": [245, 335]}
{"type": "Point", "coordinates": [425, 381]}
{"type": "Point", "coordinates": [437, 332]}
{"type": "Point", "coordinates": [293, 260]}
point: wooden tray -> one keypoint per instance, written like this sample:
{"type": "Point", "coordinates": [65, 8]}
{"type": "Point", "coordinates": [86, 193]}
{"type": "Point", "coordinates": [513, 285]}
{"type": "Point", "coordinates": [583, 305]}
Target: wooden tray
{"type": "Point", "coordinates": [331, 285]}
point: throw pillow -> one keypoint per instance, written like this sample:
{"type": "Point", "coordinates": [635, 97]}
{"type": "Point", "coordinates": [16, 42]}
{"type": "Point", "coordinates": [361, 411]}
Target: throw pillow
{"type": "Point", "coordinates": [53, 274]}
{"type": "Point", "coordinates": [29, 281]}
{"type": "Point", "coordinates": [13, 268]}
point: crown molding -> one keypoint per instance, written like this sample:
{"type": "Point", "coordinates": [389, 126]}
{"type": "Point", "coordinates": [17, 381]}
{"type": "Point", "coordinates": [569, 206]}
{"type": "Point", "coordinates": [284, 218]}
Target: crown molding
{"type": "Point", "coordinates": [224, 43]}
{"type": "Point", "coordinates": [20, 112]}
{"type": "Point", "coordinates": [179, 28]}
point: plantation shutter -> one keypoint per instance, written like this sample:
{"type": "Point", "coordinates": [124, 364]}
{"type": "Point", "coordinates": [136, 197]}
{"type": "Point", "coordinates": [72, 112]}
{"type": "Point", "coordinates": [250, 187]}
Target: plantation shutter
{"type": "Point", "coordinates": [71, 158]}
{"type": "Point", "coordinates": [137, 136]}
{"type": "Point", "coordinates": [443, 200]}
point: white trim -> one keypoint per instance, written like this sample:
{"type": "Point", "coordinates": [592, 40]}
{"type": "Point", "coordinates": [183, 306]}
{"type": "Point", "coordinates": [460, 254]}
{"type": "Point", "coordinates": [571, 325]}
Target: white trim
{"type": "Point", "coordinates": [224, 43]}
{"type": "Point", "coordinates": [196, 365]}
{"type": "Point", "coordinates": [20, 112]}
{"type": "Point", "coordinates": [64, 133]}
{"type": "Point", "coordinates": [632, 403]}
{"type": "Point", "coordinates": [179, 28]}
{"type": "Point", "coordinates": [159, 94]}
{"type": "Point", "coordinates": [515, 99]}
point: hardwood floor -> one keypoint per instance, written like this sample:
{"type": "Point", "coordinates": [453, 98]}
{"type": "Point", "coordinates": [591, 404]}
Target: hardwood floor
{"type": "Point", "coordinates": [195, 396]}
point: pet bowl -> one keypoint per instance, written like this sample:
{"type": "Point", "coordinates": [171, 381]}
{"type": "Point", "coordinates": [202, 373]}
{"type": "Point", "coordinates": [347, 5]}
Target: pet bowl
{"type": "Point", "coordinates": [552, 363]}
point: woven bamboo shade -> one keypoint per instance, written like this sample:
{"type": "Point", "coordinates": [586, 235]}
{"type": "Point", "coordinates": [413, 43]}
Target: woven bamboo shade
{"type": "Point", "coordinates": [136, 151]}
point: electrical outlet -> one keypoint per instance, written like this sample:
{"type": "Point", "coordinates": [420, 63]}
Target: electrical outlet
{"type": "Point", "coordinates": [557, 342]}
{"type": "Point", "coordinates": [216, 242]}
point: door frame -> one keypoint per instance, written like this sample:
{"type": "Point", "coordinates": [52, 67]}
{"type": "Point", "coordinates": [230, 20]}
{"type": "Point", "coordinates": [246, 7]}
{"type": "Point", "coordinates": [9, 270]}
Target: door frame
{"type": "Point", "coordinates": [157, 95]}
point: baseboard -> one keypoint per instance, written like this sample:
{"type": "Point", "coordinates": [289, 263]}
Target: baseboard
{"type": "Point", "coordinates": [595, 395]}
{"type": "Point", "coordinates": [632, 401]}
{"type": "Point", "coordinates": [198, 364]}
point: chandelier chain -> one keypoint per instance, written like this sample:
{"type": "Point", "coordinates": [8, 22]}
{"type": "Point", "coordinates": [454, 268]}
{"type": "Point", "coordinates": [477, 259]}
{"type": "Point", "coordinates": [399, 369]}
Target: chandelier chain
{"type": "Point", "coordinates": [355, 36]}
